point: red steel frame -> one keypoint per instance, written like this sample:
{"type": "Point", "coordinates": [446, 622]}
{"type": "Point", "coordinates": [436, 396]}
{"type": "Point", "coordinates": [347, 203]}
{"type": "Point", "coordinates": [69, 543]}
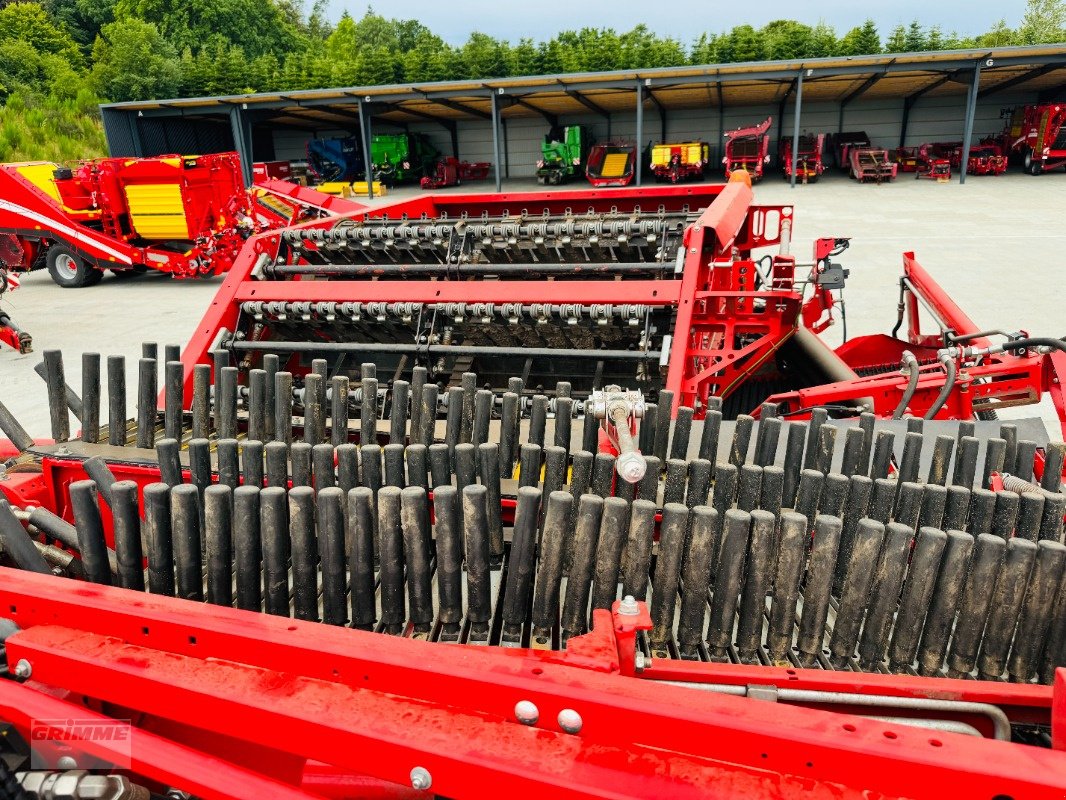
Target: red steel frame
{"type": "Point", "coordinates": [753, 163]}
{"type": "Point", "coordinates": [268, 695]}
{"type": "Point", "coordinates": [88, 220]}
{"type": "Point", "coordinates": [716, 300]}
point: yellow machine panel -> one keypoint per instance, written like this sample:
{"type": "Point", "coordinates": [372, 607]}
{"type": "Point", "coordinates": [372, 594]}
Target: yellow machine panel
{"type": "Point", "coordinates": [614, 165]}
{"type": "Point", "coordinates": [42, 175]}
{"type": "Point", "coordinates": [660, 154]}
{"type": "Point", "coordinates": [157, 210]}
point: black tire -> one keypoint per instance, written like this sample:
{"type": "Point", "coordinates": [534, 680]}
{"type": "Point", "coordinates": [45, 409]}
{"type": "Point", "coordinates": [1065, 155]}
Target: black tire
{"type": "Point", "coordinates": [68, 270]}
{"type": "Point", "coordinates": [1031, 165]}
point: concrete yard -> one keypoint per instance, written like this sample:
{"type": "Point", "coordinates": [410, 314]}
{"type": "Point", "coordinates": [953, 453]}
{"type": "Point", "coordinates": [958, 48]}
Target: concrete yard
{"type": "Point", "coordinates": [996, 244]}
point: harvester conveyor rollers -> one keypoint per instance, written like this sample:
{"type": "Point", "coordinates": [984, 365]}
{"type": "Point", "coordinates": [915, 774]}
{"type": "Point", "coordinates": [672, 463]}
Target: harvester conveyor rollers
{"type": "Point", "coordinates": [976, 573]}
{"type": "Point", "coordinates": [625, 238]}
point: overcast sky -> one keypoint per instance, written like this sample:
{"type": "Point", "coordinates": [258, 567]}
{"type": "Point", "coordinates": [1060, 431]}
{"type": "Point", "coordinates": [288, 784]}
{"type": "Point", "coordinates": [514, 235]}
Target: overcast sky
{"type": "Point", "coordinates": [682, 19]}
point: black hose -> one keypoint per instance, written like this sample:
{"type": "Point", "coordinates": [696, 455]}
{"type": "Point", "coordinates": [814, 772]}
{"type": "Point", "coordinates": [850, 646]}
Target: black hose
{"type": "Point", "coordinates": [949, 383]}
{"type": "Point", "coordinates": [1036, 341]}
{"type": "Point", "coordinates": [910, 363]}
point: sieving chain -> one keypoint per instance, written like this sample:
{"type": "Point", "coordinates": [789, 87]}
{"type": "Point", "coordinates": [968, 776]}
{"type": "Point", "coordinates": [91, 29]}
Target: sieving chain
{"type": "Point", "coordinates": [563, 229]}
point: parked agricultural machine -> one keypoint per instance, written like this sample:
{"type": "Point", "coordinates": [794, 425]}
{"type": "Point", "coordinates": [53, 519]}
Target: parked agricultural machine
{"type": "Point", "coordinates": [336, 160]}
{"type": "Point", "coordinates": [10, 333]}
{"type": "Point", "coordinates": [402, 157]}
{"type": "Point", "coordinates": [611, 164]}
{"type": "Point", "coordinates": [842, 143]}
{"type": "Point", "coordinates": [680, 545]}
{"type": "Point", "coordinates": [184, 215]}
{"type": "Point", "coordinates": [680, 162]}
{"type": "Point", "coordinates": [1037, 134]}
{"type": "Point", "coordinates": [985, 158]}
{"type": "Point", "coordinates": [563, 154]}
{"type": "Point", "coordinates": [871, 164]}
{"type": "Point", "coordinates": [748, 149]}
{"type": "Point", "coordinates": [923, 162]}
{"type": "Point", "coordinates": [809, 165]}
{"type": "Point", "coordinates": [450, 171]}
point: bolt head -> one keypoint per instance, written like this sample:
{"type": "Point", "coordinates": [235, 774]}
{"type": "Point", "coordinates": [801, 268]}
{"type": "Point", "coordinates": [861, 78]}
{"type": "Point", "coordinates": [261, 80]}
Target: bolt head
{"type": "Point", "coordinates": [421, 779]}
{"type": "Point", "coordinates": [629, 606]}
{"type": "Point", "coordinates": [631, 467]}
{"type": "Point", "coordinates": [526, 712]}
{"type": "Point", "coordinates": [570, 721]}
{"type": "Point", "coordinates": [23, 669]}
{"type": "Point", "coordinates": [66, 762]}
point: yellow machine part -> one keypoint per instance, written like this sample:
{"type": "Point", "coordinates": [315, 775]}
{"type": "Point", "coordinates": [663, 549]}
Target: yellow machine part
{"type": "Point", "coordinates": [356, 188]}
{"type": "Point", "coordinates": [660, 155]}
{"type": "Point", "coordinates": [614, 165]}
{"type": "Point", "coordinates": [157, 210]}
{"type": "Point", "coordinates": [43, 177]}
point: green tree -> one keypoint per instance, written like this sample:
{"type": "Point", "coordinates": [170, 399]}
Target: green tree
{"type": "Point", "coordinates": [785, 39]}
{"type": "Point", "coordinates": [132, 61]}
{"type": "Point", "coordinates": [484, 57]}
{"type": "Point", "coordinates": [862, 41]}
{"type": "Point", "coordinates": [29, 22]}
{"type": "Point", "coordinates": [257, 26]}
{"type": "Point", "coordinates": [823, 40]}
{"type": "Point", "coordinates": [1000, 35]}
{"type": "Point", "coordinates": [915, 39]}
{"type": "Point", "coordinates": [83, 18]}
{"type": "Point", "coordinates": [744, 44]}
{"type": "Point", "coordinates": [1044, 22]}
{"type": "Point", "coordinates": [897, 40]}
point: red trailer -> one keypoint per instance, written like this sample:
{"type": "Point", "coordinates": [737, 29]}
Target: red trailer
{"type": "Point", "coordinates": [611, 164]}
{"type": "Point", "coordinates": [808, 157]}
{"type": "Point", "coordinates": [748, 149]}
{"type": "Point", "coordinates": [184, 215]}
{"type": "Point", "coordinates": [1038, 135]}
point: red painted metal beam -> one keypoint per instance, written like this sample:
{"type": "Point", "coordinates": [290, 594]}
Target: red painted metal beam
{"type": "Point", "coordinates": [335, 690]}
{"type": "Point", "coordinates": [150, 756]}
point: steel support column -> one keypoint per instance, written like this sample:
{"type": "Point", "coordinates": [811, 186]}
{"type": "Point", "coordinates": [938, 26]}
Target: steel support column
{"type": "Point", "coordinates": [506, 151]}
{"type": "Point", "coordinates": [971, 110]}
{"type": "Point", "coordinates": [242, 141]}
{"type": "Point", "coordinates": [135, 135]}
{"type": "Point", "coordinates": [364, 140]}
{"type": "Point", "coordinates": [640, 130]}
{"type": "Point", "coordinates": [496, 142]}
{"type": "Point", "coordinates": [796, 128]}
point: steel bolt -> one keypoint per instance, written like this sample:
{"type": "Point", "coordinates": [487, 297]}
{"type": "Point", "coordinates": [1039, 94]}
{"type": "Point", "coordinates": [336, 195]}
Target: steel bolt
{"type": "Point", "coordinates": [421, 779]}
{"type": "Point", "coordinates": [631, 467]}
{"type": "Point", "coordinates": [629, 606]}
{"type": "Point", "coordinates": [570, 721]}
{"type": "Point", "coordinates": [23, 669]}
{"type": "Point", "coordinates": [526, 712]}
{"type": "Point", "coordinates": [66, 762]}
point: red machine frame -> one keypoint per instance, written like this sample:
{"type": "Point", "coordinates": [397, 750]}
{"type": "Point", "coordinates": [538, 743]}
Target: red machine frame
{"type": "Point", "coordinates": [597, 157]}
{"type": "Point", "coordinates": [1038, 134]}
{"type": "Point", "coordinates": [677, 167]}
{"type": "Point", "coordinates": [871, 164]}
{"type": "Point", "coordinates": [748, 149]}
{"type": "Point", "coordinates": [719, 301]}
{"type": "Point", "coordinates": [809, 166]}
{"type": "Point", "coordinates": [450, 171]}
{"type": "Point", "coordinates": [986, 158]}
{"type": "Point", "coordinates": [91, 218]}
{"type": "Point", "coordinates": [268, 698]}
{"type": "Point", "coordinates": [923, 163]}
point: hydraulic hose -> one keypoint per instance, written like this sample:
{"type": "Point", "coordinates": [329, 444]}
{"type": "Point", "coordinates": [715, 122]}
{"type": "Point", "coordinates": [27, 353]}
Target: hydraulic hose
{"type": "Point", "coordinates": [1036, 341]}
{"type": "Point", "coordinates": [910, 366]}
{"type": "Point", "coordinates": [950, 371]}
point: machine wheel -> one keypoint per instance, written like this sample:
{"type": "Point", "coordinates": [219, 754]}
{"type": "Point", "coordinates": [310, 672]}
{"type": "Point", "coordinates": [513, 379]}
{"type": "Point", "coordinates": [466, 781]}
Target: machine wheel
{"type": "Point", "coordinates": [69, 271]}
{"type": "Point", "coordinates": [1032, 165]}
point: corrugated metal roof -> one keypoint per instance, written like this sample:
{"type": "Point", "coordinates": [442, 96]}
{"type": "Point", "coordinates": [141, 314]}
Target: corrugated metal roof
{"type": "Point", "coordinates": [749, 83]}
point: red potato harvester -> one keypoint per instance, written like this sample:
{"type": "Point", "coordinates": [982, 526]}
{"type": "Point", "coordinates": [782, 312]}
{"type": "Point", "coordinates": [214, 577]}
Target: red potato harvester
{"type": "Point", "coordinates": [594, 441]}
